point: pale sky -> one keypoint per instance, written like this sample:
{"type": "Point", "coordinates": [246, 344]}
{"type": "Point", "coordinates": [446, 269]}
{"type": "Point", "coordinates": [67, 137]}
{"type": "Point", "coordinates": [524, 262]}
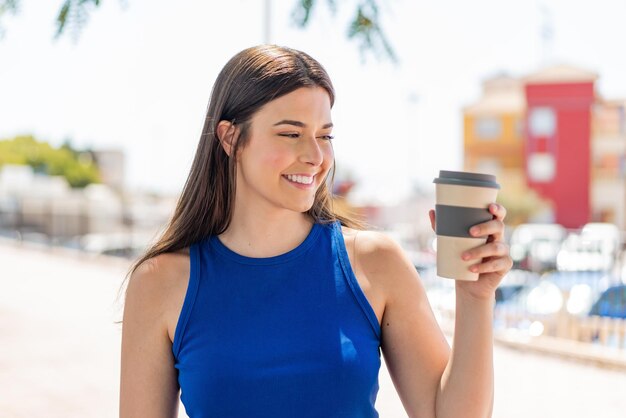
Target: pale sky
{"type": "Point", "coordinates": [139, 78]}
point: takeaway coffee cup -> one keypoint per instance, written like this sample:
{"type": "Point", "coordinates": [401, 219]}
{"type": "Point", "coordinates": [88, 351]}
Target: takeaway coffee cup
{"type": "Point", "coordinates": [462, 201]}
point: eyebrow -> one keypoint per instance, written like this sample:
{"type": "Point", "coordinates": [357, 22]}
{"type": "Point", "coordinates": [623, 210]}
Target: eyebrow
{"type": "Point", "coordinates": [299, 124]}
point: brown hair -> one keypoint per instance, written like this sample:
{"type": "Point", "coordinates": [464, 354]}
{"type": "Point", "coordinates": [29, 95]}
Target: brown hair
{"type": "Point", "coordinates": [249, 80]}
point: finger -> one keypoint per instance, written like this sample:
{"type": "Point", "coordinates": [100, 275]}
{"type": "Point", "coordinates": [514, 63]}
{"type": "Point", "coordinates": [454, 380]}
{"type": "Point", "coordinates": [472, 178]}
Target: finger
{"type": "Point", "coordinates": [498, 210]}
{"type": "Point", "coordinates": [496, 264]}
{"type": "Point", "coordinates": [496, 276]}
{"type": "Point", "coordinates": [491, 249]}
{"type": "Point", "coordinates": [494, 227]}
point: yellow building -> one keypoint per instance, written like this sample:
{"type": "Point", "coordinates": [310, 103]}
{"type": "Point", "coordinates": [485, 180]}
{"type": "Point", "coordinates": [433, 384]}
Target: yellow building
{"type": "Point", "coordinates": [493, 141]}
{"type": "Point", "coordinates": [493, 129]}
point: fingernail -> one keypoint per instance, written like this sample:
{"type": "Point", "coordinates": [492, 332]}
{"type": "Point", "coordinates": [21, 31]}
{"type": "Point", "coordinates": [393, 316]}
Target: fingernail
{"type": "Point", "coordinates": [465, 256]}
{"type": "Point", "coordinates": [494, 207]}
{"type": "Point", "coordinates": [473, 269]}
{"type": "Point", "coordinates": [474, 231]}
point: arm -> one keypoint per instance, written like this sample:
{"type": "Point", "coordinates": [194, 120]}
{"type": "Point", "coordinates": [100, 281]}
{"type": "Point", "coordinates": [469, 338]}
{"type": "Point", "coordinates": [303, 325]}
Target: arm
{"type": "Point", "coordinates": [467, 385]}
{"type": "Point", "coordinates": [466, 388]}
{"type": "Point", "coordinates": [431, 380]}
{"type": "Point", "coordinates": [148, 386]}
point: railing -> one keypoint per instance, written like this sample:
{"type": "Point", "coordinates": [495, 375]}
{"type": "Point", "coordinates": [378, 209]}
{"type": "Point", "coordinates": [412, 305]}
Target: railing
{"type": "Point", "coordinates": [589, 329]}
{"type": "Point", "coordinates": [593, 340]}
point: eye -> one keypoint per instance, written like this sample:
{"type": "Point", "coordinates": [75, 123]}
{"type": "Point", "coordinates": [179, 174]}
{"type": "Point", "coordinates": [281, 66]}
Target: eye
{"type": "Point", "coordinates": [327, 137]}
{"type": "Point", "coordinates": [291, 135]}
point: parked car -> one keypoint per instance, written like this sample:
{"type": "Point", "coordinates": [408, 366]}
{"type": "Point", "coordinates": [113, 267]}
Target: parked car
{"type": "Point", "coordinates": [579, 293]}
{"type": "Point", "coordinates": [535, 247]}
{"type": "Point", "coordinates": [595, 248]}
{"type": "Point", "coordinates": [611, 303]}
{"type": "Point", "coordinates": [608, 233]}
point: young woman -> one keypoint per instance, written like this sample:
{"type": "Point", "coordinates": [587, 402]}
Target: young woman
{"type": "Point", "coordinates": [259, 301]}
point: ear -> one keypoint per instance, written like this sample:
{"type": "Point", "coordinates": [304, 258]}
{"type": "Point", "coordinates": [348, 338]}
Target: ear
{"type": "Point", "coordinates": [226, 134]}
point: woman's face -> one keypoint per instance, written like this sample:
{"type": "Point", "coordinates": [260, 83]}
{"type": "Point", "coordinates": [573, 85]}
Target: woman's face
{"type": "Point", "coordinates": [289, 151]}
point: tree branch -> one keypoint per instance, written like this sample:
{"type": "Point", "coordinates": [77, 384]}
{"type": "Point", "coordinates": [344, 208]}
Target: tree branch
{"type": "Point", "coordinates": [6, 7]}
{"type": "Point", "coordinates": [365, 28]}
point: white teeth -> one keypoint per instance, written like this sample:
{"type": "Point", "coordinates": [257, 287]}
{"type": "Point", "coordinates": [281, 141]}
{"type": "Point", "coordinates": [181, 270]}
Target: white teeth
{"type": "Point", "coordinates": [300, 179]}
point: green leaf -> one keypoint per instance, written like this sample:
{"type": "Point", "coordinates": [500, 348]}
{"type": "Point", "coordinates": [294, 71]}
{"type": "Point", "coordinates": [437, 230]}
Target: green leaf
{"type": "Point", "coordinates": [74, 14]}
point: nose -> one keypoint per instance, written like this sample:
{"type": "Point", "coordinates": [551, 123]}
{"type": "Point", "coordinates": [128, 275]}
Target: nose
{"type": "Point", "coordinates": [311, 152]}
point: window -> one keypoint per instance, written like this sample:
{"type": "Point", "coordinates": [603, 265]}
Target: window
{"type": "Point", "coordinates": [488, 128]}
{"type": "Point", "coordinates": [542, 121]}
{"type": "Point", "coordinates": [541, 167]}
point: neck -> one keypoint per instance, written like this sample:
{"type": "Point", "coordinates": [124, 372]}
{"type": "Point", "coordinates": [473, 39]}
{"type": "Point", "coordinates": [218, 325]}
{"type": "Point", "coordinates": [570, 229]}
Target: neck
{"type": "Point", "coordinates": [254, 232]}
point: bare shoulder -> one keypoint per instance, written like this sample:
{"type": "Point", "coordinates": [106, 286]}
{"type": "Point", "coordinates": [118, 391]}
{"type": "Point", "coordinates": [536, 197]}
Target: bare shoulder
{"type": "Point", "coordinates": [376, 253]}
{"type": "Point", "coordinates": [159, 274]}
{"type": "Point", "coordinates": [372, 241]}
{"type": "Point", "coordinates": [163, 265]}
{"type": "Point", "coordinates": [159, 285]}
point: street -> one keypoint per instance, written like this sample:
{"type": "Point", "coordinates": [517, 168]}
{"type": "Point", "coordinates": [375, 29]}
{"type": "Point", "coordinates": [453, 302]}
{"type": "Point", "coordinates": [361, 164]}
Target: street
{"type": "Point", "coordinates": [59, 353]}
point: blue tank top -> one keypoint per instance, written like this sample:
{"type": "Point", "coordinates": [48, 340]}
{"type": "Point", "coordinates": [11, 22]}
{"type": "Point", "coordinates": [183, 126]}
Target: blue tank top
{"type": "Point", "coordinates": [285, 336]}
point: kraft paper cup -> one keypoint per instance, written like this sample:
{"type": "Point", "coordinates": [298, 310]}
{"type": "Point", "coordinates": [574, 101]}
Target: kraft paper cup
{"type": "Point", "coordinates": [462, 201]}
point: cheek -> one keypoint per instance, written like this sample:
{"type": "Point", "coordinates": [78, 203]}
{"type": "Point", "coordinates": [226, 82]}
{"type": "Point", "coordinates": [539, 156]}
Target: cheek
{"type": "Point", "coordinates": [272, 162]}
{"type": "Point", "coordinates": [277, 162]}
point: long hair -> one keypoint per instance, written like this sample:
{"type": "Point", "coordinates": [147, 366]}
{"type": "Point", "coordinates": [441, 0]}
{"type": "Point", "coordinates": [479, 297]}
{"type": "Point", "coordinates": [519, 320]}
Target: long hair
{"type": "Point", "coordinates": [249, 80]}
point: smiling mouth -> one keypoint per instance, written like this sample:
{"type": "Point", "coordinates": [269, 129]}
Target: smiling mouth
{"type": "Point", "coordinates": [304, 180]}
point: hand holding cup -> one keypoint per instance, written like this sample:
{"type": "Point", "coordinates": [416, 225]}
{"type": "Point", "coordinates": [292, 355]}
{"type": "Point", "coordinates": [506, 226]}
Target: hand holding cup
{"type": "Point", "coordinates": [491, 261]}
{"type": "Point", "coordinates": [470, 228]}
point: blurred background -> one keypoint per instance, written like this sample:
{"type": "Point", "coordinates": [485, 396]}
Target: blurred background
{"type": "Point", "coordinates": [101, 109]}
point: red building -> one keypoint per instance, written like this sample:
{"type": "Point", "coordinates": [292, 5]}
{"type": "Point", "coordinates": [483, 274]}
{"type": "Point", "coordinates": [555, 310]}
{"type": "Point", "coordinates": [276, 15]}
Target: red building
{"type": "Point", "coordinates": [558, 140]}
{"type": "Point", "coordinates": [557, 147]}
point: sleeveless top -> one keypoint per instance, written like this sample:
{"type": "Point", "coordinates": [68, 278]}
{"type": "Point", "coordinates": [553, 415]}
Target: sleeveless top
{"type": "Point", "coordinates": [285, 336]}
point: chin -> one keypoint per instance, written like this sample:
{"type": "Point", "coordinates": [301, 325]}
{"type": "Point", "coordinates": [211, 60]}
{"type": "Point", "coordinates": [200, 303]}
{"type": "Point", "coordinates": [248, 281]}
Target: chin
{"type": "Point", "coordinates": [304, 209]}
{"type": "Point", "coordinates": [301, 208]}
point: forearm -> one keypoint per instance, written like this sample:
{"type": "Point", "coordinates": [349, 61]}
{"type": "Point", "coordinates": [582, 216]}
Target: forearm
{"type": "Point", "coordinates": [466, 387]}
